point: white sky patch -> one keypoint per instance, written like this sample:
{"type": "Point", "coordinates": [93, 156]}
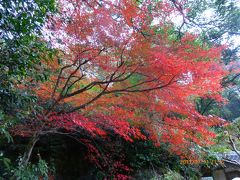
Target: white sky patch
{"type": "Point", "coordinates": [186, 79]}
{"type": "Point", "coordinates": [206, 17]}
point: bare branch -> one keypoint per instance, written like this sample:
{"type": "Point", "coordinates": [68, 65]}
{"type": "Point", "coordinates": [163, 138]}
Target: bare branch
{"type": "Point", "coordinates": [231, 142]}
{"type": "Point", "coordinates": [128, 89]}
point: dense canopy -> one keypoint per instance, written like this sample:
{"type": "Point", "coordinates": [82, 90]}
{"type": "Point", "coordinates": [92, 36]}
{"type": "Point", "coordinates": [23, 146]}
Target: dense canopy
{"type": "Point", "coordinates": [122, 69]}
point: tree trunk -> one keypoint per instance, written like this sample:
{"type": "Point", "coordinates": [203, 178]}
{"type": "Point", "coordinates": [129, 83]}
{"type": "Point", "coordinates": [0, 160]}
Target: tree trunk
{"type": "Point", "coordinates": [27, 154]}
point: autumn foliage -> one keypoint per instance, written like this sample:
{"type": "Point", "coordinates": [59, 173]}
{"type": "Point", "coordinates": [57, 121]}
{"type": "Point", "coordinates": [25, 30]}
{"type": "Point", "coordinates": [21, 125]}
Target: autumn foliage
{"type": "Point", "coordinates": [121, 69]}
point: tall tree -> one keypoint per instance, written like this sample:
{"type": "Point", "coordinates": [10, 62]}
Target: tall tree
{"type": "Point", "coordinates": [21, 50]}
{"type": "Point", "coordinates": [121, 69]}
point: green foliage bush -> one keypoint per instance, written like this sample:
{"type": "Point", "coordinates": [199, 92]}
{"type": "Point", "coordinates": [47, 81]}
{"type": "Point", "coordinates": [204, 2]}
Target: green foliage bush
{"type": "Point", "coordinates": [32, 171]}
